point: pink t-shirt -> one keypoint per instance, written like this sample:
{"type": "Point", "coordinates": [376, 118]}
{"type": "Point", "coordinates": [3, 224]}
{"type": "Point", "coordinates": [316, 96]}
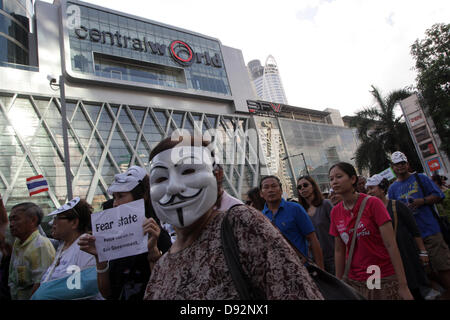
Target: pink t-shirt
{"type": "Point", "coordinates": [369, 247]}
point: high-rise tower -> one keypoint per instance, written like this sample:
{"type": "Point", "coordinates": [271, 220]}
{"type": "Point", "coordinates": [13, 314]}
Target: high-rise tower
{"type": "Point", "coordinates": [267, 81]}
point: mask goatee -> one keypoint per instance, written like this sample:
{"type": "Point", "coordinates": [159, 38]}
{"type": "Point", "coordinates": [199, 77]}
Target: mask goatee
{"type": "Point", "coordinates": [180, 216]}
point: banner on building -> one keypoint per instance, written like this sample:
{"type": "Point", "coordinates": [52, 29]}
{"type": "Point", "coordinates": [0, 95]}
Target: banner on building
{"type": "Point", "coordinates": [434, 164]}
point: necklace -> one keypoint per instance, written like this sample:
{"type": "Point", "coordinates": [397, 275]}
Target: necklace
{"type": "Point", "coordinates": [353, 203]}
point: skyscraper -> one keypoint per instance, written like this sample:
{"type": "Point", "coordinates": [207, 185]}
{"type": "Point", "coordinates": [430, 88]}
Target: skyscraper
{"type": "Point", "coordinates": [266, 80]}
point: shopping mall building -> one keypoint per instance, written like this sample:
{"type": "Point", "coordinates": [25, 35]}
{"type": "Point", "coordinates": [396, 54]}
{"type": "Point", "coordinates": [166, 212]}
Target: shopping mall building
{"type": "Point", "coordinates": [126, 83]}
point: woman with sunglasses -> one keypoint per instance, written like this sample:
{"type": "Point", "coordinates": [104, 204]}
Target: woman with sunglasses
{"type": "Point", "coordinates": [126, 278]}
{"type": "Point", "coordinates": [319, 210]}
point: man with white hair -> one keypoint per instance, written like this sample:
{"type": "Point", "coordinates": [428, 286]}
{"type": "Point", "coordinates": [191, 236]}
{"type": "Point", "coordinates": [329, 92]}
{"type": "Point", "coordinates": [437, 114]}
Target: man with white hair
{"type": "Point", "coordinates": [420, 194]}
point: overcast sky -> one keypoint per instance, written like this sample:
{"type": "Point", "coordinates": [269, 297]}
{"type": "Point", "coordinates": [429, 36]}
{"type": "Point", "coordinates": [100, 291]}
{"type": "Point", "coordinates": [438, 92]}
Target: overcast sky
{"type": "Point", "coordinates": [329, 52]}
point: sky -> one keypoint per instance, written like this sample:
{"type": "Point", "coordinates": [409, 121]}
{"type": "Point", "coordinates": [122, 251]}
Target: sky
{"type": "Point", "coordinates": [329, 52]}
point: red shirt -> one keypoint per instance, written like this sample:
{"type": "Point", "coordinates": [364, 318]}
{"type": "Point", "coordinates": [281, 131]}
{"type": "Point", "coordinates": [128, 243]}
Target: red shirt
{"type": "Point", "coordinates": [369, 247]}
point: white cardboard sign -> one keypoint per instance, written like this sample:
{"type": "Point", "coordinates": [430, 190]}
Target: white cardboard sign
{"type": "Point", "coordinates": [118, 231]}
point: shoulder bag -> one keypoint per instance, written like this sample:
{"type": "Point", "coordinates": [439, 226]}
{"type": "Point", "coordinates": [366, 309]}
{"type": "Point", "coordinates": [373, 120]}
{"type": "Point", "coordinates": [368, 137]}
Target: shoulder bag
{"type": "Point", "coordinates": [352, 246]}
{"type": "Point", "coordinates": [331, 287]}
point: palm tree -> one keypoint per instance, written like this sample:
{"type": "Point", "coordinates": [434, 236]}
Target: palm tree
{"type": "Point", "coordinates": [380, 133]}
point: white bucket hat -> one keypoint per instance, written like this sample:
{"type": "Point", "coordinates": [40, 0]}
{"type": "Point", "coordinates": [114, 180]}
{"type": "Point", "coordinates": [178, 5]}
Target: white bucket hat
{"type": "Point", "coordinates": [127, 181]}
{"type": "Point", "coordinates": [67, 206]}
{"type": "Point", "coordinates": [374, 180]}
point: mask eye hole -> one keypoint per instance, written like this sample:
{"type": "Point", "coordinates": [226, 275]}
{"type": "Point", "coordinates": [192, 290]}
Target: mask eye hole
{"type": "Point", "coordinates": [160, 179]}
{"type": "Point", "coordinates": [188, 171]}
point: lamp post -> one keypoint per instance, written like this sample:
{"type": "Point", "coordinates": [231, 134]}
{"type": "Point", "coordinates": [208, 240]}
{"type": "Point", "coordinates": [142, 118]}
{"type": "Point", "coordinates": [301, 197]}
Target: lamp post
{"type": "Point", "coordinates": [304, 161]}
{"type": "Point", "coordinates": [64, 130]}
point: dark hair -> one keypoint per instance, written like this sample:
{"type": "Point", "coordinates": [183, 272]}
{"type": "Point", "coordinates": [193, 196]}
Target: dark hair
{"type": "Point", "coordinates": [269, 177]}
{"type": "Point", "coordinates": [348, 169]}
{"type": "Point", "coordinates": [384, 185]}
{"type": "Point", "coordinates": [318, 196]}
{"type": "Point", "coordinates": [108, 204]}
{"type": "Point", "coordinates": [82, 211]}
{"type": "Point", "coordinates": [170, 143]}
{"type": "Point", "coordinates": [439, 180]}
{"type": "Point", "coordinates": [256, 199]}
{"type": "Point", "coordinates": [31, 210]}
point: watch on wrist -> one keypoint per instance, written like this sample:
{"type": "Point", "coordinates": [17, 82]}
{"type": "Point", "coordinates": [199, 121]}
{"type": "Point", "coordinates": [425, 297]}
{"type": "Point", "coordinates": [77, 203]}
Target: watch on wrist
{"type": "Point", "coordinates": [424, 201]}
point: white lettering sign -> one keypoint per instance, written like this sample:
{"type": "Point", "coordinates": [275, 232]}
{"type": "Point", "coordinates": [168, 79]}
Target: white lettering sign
{"type": "Point", "coordinates": [118, 231]}
{"type": "Point", "coordinates": [388, 174]}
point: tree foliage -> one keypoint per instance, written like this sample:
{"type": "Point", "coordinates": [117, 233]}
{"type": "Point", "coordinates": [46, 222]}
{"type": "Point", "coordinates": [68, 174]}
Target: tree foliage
{"type": "Point", "coordinates": [432, 56]}
{"type": "Point", "coordinates": [381, 133]}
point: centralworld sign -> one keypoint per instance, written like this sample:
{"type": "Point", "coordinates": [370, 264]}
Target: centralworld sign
{"type": "Point", "coordinates": [179, 50]}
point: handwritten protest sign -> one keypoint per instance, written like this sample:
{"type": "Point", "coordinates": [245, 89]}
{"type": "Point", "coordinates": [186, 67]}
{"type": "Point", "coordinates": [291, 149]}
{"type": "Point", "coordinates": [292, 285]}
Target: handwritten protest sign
{"type": "Point", "coordinates": [118, 231]}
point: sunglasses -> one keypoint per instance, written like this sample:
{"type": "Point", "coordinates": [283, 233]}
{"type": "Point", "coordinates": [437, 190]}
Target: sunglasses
{"type": "Point", "coordinates": [304, 185]}
{"type": "Point", "coordinates": [57, 218]}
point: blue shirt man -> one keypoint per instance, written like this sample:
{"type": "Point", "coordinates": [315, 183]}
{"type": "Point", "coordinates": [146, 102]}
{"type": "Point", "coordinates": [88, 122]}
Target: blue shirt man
{"type": "Point", "coordinates": [408, 190]}
{"type": "Point", "coordinates": [290, 217]}
{"type": "Point", "coordinates": [293, 221]}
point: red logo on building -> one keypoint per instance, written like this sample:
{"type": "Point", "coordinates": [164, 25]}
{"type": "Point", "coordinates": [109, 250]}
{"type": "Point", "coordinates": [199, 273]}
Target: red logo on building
{"type": "Point", "coordinates": [276, 108]}
{"type": "Point", "coordinates": [434, 164]}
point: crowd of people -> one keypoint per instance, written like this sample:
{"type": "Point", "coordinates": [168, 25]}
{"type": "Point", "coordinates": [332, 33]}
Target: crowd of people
{"type": "Point", "coordinates": [361, 227]}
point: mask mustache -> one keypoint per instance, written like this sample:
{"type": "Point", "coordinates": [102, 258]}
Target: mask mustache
{"type": "Point", "coordinates": [179, 196]}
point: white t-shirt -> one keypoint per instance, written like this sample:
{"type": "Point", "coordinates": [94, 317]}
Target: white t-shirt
{"type": "Point", "coordinates": [71, 256]}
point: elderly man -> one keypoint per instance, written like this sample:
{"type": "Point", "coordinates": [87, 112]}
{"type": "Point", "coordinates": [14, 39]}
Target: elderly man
{"type": "Point", "coordinates": [420, 194]}
{"type": "Point", "coordinates": [32, 253]}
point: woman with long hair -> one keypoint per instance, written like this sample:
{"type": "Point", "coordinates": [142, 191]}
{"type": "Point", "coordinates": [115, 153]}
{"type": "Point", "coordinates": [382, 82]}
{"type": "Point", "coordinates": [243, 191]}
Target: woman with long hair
{"type": "Point", "coordinates": [319, 210]}
{"type": "Point", "coordinates": [375, 247]}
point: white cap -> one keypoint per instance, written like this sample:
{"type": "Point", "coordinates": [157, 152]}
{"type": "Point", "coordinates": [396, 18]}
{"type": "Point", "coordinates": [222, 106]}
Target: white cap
{"type": "Point", "coordinates": [398, 156]}
{"type": "Point", "coordinates": [127, 181]}
{"type": "Point", "coordinates": [69, 205]}
{"type": "Point", "coordinates": [374, 180]}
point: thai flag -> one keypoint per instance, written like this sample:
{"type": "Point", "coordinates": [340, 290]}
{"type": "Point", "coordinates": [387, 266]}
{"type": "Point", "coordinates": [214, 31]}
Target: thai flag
{"type": "Point", "coordinates": [37, 184]}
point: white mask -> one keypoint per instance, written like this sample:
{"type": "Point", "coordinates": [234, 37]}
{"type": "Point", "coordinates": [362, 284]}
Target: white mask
{"type": "Point", "coordinates": [182, 185]}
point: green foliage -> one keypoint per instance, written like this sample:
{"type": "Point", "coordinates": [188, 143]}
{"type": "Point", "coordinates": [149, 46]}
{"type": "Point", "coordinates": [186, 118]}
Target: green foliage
{"type": "Point", "coordinates": [381, 133]}
{"type": "Point", "coordinates": [432, 56]}
{"type": "Point", "coordinates": [444, 206]}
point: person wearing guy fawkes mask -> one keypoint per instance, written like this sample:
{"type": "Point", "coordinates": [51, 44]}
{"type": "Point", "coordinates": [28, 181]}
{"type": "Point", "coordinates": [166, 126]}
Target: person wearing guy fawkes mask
{"type": "Point", "coordinates": [184, 184]}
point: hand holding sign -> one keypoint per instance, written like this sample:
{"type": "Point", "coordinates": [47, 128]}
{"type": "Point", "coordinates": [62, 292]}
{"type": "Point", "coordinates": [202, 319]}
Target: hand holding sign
{"type": "Point", "coordinates": [152, 229]}
{"type": "Point", "coordinates": [87, 244]}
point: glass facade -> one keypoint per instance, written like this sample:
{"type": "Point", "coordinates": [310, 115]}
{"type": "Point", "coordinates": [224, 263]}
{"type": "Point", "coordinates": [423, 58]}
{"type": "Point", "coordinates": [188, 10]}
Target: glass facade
{"type": "Point", "coordinates": [322, 145]}
{"type": "Point", "coordinates": [119, 47]}
{"type": "Point", "coordinates": [104, 139]}
{"type": "Point", "coordinates": [15, 27]}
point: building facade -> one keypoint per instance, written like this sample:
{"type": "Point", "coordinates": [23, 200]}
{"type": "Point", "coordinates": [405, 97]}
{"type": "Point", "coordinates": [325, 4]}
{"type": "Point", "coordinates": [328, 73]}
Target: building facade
{"type": "Point", "coordinates": [125, 83]}
{"type": "Point", "coordinates": [267, 81]}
